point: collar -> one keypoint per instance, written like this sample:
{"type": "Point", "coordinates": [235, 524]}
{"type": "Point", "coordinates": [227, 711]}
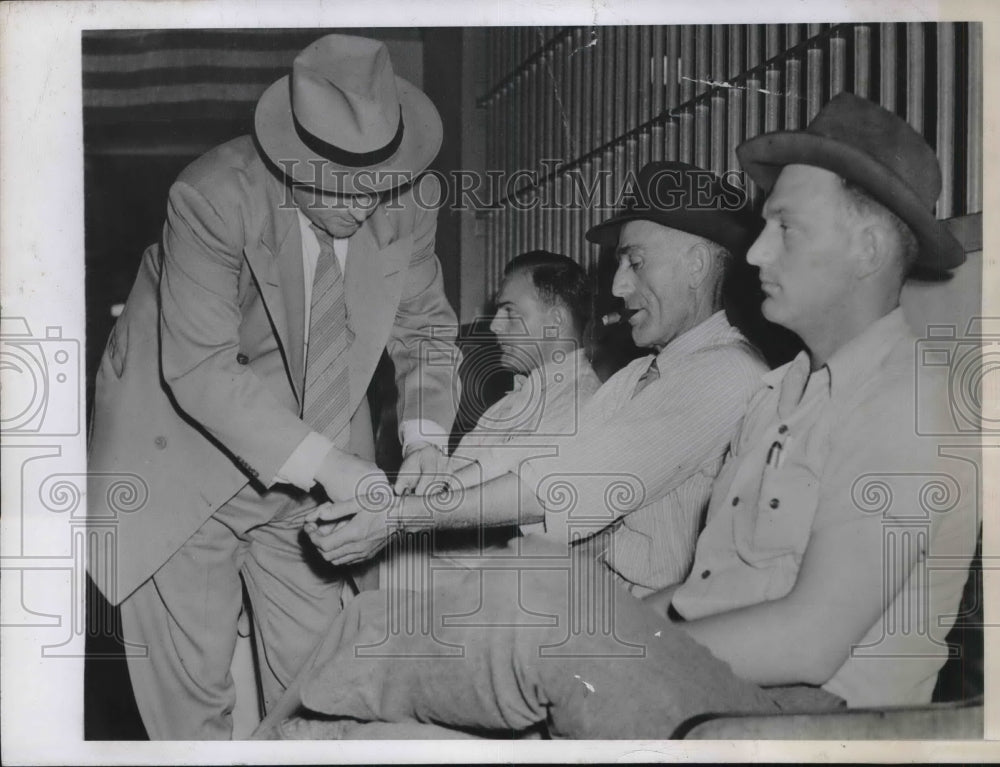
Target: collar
{"type": "Point", "coordinates": [708, 333]}
{"type": "Point", "coordinates": [856, 360]}
{"type": "Point", "coordinates": [860, 357]}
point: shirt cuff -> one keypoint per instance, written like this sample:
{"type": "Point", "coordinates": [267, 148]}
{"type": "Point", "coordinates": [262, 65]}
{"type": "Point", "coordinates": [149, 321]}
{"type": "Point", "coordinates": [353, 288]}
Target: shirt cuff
{"type": "Point", "coordinates": [302, 465]}
{"type": "Point", "coordinates": [418, 430]}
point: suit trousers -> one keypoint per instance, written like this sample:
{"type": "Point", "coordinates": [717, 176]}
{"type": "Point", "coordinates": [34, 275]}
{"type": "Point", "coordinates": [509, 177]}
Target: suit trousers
{"type": "Point", "coordinates": [186, 615]}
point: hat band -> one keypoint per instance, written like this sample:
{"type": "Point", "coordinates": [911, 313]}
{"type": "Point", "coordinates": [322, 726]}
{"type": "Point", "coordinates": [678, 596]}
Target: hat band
{"type": "Point", "coordinates": [350, 159]}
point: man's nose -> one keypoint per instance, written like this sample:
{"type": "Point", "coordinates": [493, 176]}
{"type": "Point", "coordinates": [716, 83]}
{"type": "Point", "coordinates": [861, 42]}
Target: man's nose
{"type": "Point", "coordinates": [621, 286]}
{"type": "Point", "coordinates": [762, 250]}
{"type": "Point", "coordinates": [496, 326]}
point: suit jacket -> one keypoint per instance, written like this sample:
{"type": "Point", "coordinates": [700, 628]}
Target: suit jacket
{"type": "Point", "coordinates": [199, 390]}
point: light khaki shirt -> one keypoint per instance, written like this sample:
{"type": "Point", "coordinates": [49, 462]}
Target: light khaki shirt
{"type": "Point", "coordinates": [817, 450]}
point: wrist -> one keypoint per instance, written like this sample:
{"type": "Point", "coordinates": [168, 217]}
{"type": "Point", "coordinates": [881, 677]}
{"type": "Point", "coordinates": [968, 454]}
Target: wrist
{"type": "Point", "coordinates": [411, 447]}
{"type": "Point", "coordinates": [395, 515]}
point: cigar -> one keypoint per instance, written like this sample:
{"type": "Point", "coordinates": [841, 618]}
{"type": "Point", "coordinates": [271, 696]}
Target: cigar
{"type": "Point", "coordinates": [615, 317]}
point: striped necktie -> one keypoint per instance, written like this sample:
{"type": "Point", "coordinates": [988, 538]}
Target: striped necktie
{"type": "Point", "coordinates": [652, 373]}
{"type": "Point", "coordinates": [328, 389]}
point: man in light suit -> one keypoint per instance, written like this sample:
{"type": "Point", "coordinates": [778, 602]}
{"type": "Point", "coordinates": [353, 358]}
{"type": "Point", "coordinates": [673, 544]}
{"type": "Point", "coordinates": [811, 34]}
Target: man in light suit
{"type": "Point", "coordinates": [231, 395]}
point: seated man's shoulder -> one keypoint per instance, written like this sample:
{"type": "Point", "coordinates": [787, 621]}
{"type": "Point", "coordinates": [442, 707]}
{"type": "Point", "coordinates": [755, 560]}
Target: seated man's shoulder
{"type": "Point", "coordinates": [735, 361]}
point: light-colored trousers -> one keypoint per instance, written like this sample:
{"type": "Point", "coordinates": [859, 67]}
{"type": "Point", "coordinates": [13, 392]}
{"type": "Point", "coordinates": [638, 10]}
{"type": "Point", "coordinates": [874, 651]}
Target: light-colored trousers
{"type": "Point", "coordinates": [186, 615]}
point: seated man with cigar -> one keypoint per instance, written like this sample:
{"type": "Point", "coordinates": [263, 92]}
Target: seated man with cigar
{"type": "Point", "coordinates": [838, 538]}
{"type": "Point", "coordinates": [653, 437]}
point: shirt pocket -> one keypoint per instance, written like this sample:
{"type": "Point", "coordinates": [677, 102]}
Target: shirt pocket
{"type": "Point", "coordinates": [785, 511]}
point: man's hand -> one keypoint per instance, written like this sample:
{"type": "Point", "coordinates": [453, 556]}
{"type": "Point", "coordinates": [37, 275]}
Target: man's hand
{"type": "Point", "coordinates": [422, 467]}
{"type": "Point", "coordinates": [360, 529]}
{"type": "Point", "coordinates": [345, 476]}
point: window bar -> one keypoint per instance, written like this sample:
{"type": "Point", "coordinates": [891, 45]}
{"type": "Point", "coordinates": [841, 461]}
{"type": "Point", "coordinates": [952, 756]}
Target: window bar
{"type": "Point", "coordinates": [838, 64]}
{"type": "Point", "coordinates": [531, 98]}
{"type": "Point", "coordinates": [636, 87]}
{"type": "Point", "coordinates": [609, 63]}
{"type": "Point", "coordinates": [755, 55]}
{"type": "Point", "coordinates": [887, 66]}
{"type": "Point", "coordinates": [946, 117]}
{"type": "Point", "coordinates": [589, 102]}
{"type": "Point", "coordinates": [737, 57]}
{"type": "Point", "coordinates": [622, 89]}
{"type": "Point", "coordinates": [656, 66]}
{"type": "Point", "coordinates": [915, 75]}
{"type": "Point", "coordinates": [862, 59]}
{"type": "Point", "coordinates": [717, 143]}
{"type": "Point", "coordinates": [814, 75]}
{"type": "Point", "coordinates": [644, 72]}
{"type": "Point", "coordinates": [579, 116]}
{"type": "Point", "coordinates": [703, 74]}
{"type": "Point", "coordinates": [647, 81]}
{"type": "Point", "coordinates": [686, 73]}
{"type": "Point", "coordinates": [793, 79]}
{"type": "Point", "coordinates": [974, 141]}
{"type": "Point", "coordinates": [772, 80]}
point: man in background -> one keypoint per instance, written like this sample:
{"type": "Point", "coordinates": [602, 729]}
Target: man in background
{"type": "Point", "coordinates": [543, 307]}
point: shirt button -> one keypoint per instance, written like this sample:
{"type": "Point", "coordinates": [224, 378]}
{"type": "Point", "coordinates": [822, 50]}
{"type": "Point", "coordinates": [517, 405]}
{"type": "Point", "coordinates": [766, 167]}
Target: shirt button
{"type": "Point", "coordinates": [782, 429]}
{"type": "Point", "coordinates": [705, 574]}
{"type": "Point", "coordinates": [160, 442]}
{"type": "Point", "coordinates": [775, 503]}
{"type": "Point", "coordinates": [736, 500]}
{"type": "Point", "coordinates": [242, 359]}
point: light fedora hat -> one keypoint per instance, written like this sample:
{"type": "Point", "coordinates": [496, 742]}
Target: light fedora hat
{"type": "Point", "coordinates": [874, 149]}
{"type": "Point", "coordinates": [344, 122]}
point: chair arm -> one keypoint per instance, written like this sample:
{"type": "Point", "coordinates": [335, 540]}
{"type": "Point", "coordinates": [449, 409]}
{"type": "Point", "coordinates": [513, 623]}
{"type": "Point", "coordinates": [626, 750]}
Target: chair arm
{"type": "Point", "coordinates": [936, 721]}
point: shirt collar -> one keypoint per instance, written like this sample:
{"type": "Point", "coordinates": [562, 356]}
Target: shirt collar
{"type": "Point", "coordinates": [704, 334]}
{"type": "Point", "coordinates": [856, 360]}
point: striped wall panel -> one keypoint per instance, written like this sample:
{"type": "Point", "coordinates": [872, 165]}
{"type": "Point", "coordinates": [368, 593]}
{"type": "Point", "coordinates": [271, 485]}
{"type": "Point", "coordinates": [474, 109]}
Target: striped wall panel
{"type": "Point", "coordinates": [579, 106]}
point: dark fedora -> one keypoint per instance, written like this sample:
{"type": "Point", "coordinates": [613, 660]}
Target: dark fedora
{"type": "Point", "coordinates": [344, 122]}
{"type": "Point", "coordinates": [688, 198]}
{"type": "Point", "coordinates": [875, 149]}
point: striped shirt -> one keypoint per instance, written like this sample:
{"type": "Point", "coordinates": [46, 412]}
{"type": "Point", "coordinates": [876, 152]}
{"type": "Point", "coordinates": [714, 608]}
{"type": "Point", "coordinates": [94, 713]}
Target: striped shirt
{"type": "Point", "coordinates": [646, 463]}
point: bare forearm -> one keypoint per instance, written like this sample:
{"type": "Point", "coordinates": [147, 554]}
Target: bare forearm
{"type": "Point", "coordinates": [501, 501]}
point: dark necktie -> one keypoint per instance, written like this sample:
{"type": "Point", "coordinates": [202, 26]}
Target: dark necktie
{"type": "Point", "coordinates": [328, 390]}
{"type": "Point", "coordinates": [652, 373]}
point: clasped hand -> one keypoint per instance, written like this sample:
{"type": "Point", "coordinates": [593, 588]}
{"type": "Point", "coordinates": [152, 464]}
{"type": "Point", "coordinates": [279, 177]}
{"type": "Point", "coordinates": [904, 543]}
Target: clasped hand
{"type": "Point", "coordinates": [355, 529]}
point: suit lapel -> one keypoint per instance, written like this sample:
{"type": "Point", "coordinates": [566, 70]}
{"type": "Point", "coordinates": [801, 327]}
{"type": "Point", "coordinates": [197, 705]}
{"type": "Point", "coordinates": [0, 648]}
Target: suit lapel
{"type": "Point", "coordinates": [276, 263]}
{"type": "Point", "coordinates": [293, 291]}
{"type": "Point", "coordinates": [372, 284]}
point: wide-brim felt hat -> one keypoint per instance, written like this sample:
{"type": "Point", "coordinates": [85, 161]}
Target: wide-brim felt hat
{"type": "Point", "coordinates": [344, 122]}
{"type": "Point", "coordinates": [874, 149]}
{"type": "Point", "coordinates": [684, 197]}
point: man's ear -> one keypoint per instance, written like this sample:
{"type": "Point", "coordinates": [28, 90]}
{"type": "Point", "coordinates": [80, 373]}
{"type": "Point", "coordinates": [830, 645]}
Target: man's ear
{"type": "Point", "coordinates": [873, 248]}
{"type": "Point", "coordinates": [559, 317]}
{"type": "Point", "coordinates": [699, 263]}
